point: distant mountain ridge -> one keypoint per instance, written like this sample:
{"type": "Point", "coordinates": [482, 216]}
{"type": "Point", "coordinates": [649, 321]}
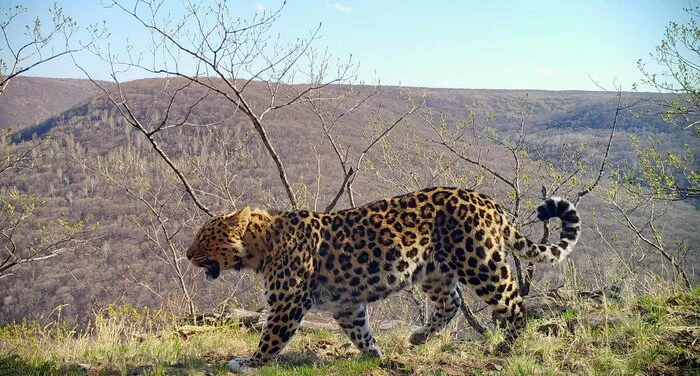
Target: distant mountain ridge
{"type": "Point", "coordinates": [554, 117]}
{"type": "Point", "coordinates": [36, 104]}
{"type": "Point", "coordinates": [30, 100]}
{"type": "Point", "coordinates": [574, 117]}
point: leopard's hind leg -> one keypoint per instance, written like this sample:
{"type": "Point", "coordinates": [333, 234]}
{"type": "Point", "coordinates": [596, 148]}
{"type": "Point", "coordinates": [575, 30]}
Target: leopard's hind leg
{"type": "Point", "coordinates": [494, 283]}
{"type": "Point", "coordinates": [354, 322]}
{"type": "Point", "coordinates": [443, 292]}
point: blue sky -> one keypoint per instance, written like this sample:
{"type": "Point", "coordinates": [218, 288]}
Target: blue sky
{"type": "Point", "coordinates": [552, 45]}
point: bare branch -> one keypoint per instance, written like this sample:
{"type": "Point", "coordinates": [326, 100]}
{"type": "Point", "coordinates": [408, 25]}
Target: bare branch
{"type": "Point", "coordinates": [121, 104]}
{"type": "Point", "coordinates": [413, 107]}
{"type": "Point", "coordinates": [656, 243]}
{"type": "Point", "coordinates": [469, 315]}
{"type": "Point", "coordinates": [343, 185]}
{"type": "Point", "coordinates": [36, 49]}
{"type": "Point", "coordinates": [601, 170]}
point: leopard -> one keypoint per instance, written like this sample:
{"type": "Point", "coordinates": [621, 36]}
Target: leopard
{"type": "Point", "coordinates": [437, 238]}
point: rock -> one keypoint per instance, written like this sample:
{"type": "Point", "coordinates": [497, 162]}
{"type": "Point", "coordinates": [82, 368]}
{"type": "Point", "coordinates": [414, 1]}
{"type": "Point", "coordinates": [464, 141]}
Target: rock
{"type": "Point", "coordinates": [543, 307]}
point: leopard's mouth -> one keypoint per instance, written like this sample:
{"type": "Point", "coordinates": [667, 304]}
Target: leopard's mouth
{"type": "Point", "coordinates": [212, 270]}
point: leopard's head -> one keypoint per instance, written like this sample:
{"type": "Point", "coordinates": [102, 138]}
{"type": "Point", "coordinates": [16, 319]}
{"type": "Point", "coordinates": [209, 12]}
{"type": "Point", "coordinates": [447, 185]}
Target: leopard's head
{"type": "Point", "coordinates": [218, 244]}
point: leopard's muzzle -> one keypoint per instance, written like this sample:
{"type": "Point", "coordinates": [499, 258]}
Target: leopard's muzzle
{"type": "Point", "coordinates": [212, 269]}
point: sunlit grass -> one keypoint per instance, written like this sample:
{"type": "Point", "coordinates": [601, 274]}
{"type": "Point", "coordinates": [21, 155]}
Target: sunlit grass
{"type": "Point", "coordinates": [645, 335]}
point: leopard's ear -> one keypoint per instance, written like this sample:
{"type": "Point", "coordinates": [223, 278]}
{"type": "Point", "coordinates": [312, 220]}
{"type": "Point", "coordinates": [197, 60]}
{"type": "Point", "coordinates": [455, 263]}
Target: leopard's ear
{"type": "Point", "coordinates": [238, 221]}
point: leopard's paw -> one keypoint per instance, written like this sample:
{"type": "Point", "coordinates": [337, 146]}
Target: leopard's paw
{"type": "Point", "coordinates": [419, 336]}
{"type": "Point", "coordinates": [238, 364]}
{"type": "Point", "coordinates": [373, 351]}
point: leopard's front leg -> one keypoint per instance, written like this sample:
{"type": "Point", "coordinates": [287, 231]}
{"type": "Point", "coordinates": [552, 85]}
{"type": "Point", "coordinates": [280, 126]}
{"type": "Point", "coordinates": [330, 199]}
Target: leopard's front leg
{"type": "Point", "coordinates": [286, 312]}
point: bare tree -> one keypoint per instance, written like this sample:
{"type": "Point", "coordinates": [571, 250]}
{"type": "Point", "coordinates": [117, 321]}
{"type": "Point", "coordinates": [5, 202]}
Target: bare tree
{"type": "Point", "coordinates": [230, 57]}
{"type": "Point", "coordinates": [19, 247]}
{"type": "Point", "coordinates": [161, 200]}
{"type": "Point", "coordinates": [331, 112]}
{"type": "Point", "coordinates": [642, 216]}
{"type": "Point", "coordinates": [38, 46]}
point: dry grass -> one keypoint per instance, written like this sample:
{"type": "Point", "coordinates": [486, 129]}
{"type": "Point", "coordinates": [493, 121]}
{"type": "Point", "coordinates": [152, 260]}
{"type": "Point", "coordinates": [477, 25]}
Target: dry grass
{"type": "Point", "coordinates": [651, 334]}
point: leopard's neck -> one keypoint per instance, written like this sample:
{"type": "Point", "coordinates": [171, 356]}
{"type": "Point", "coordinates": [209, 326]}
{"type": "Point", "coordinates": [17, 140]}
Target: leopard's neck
{"type": "Point", "coordinates": [258, 238]}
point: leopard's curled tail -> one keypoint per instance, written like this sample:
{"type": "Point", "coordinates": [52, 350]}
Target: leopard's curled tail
{"type": "Point", "coordinates": [554, 252]}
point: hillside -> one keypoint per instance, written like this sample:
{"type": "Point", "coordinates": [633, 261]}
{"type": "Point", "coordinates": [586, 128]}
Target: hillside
{"type": "Point", "coordinates": [30, 100]}
{"type": "Point", "coordinates": [101, 175]}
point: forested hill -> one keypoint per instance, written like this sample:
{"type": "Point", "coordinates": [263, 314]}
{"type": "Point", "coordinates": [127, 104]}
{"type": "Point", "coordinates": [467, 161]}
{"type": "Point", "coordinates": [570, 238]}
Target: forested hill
{"type": "Point", "coordinates": [97, 190]}
{"type": "Point", "coordinates": [30, 100]}
{"type": "Point", "coordinates": [35, 105]}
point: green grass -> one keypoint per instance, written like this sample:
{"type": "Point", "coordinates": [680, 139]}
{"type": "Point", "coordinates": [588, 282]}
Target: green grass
{"type": "Point", "coordinates": [651, 334]}
{"type": "Point", "coordinates": [355, 366]}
